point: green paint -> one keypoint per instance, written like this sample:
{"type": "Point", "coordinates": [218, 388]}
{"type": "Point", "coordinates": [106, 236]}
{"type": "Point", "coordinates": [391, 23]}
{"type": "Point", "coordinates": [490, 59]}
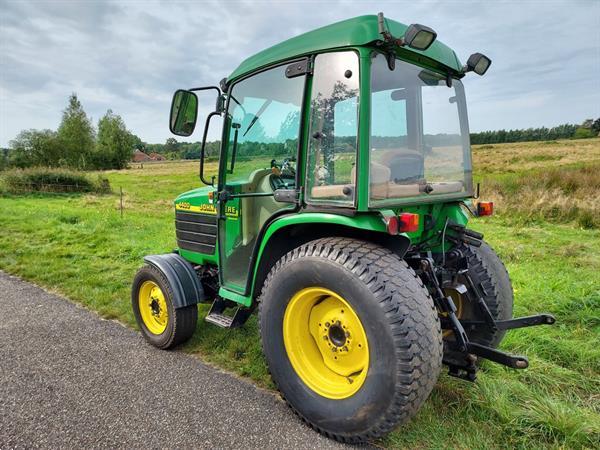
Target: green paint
{"type": "Point", "coordinates": [370, 222]}
{"type": "Point", "coordinates": [358, 31]}
{"type": "Point", "coordinates": [364, 130]}
{"type": "Point", "coordinates": [235, 297]}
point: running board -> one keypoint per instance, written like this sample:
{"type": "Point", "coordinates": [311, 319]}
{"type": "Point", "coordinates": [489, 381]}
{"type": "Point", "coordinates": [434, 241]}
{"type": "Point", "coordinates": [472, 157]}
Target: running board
{"type": "Point", "coordinates": [217, 315]}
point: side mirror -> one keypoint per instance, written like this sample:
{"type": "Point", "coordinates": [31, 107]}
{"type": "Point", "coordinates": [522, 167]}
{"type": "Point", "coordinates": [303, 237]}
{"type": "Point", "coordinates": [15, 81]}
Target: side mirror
{"type": "Point", "coordinates": [419, 36]}
{"type": "Point", "coordinates": [184, 112]}
{"type": "Point", "coordinates": [478, 63]}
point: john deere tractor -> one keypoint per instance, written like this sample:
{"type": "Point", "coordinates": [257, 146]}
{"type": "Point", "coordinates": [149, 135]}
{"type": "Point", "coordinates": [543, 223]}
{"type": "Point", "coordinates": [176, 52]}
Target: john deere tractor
{"type": "Point", "coordinates": [339, 213]}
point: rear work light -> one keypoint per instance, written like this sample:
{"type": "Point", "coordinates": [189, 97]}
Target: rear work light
{"type": "Point", "coordinates": [485, 208]}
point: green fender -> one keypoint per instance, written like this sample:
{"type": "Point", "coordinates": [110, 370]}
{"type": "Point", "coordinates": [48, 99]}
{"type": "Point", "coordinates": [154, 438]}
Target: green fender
{"type": "Point", "coordinates": [369, 222]}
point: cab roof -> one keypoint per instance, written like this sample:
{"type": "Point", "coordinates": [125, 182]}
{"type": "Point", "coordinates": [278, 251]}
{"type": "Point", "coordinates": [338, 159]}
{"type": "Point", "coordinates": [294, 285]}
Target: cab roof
{"type": "Point", "coordinates": [353, 32]}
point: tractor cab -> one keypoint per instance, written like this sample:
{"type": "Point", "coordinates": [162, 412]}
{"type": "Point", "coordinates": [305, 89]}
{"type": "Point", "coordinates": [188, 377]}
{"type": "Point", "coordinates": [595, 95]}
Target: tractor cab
{"type": "Point", "coordinates": [339, 207]}
{"type": "Point", "coordinates": [346, 119]}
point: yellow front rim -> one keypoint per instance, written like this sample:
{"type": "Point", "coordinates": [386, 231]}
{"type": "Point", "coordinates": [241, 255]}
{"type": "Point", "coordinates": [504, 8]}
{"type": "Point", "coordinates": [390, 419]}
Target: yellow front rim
{"type": "Point", "coordinates": [153, 307]}
{"type": "Point", "coordinates": [326, 343]}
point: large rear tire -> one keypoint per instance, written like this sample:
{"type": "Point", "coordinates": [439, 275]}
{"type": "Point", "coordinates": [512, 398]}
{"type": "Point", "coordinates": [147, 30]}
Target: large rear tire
{"type": "Point", "coordinates": [351, 337]}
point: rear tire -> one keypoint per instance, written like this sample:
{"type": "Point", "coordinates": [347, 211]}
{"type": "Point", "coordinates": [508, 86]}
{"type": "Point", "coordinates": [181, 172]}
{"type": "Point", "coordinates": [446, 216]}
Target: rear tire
{"type": "Point", "coordinates": [488, 272]}
{"type": "Point", "coordinates": [162, 326]}
{"type": "Point", "coordinates": [401, 326]}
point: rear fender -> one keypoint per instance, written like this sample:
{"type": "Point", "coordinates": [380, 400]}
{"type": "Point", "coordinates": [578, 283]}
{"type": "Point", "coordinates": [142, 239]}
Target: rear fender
{"type": "Point", "coordinates": [182, 277]}
{"type": "Point", "coordinates": [288, 232]}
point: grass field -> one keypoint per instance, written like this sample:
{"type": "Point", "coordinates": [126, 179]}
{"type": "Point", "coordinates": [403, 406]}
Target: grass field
{"type": "Point", "coordinates": [546, 229]}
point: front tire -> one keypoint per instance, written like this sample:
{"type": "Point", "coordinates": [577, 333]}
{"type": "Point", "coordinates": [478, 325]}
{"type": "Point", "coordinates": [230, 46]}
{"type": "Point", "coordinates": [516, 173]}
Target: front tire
{"type": "Point", "coordinates": [378, 366]}
{"type": "Point", "coordinates": [152, 301]}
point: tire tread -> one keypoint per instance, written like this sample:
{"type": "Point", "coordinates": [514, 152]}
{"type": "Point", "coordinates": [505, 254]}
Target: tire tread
{"type": "Point", "coordinates": [401, 295]}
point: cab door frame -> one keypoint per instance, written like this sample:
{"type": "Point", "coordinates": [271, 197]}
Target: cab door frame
{"type": "Point", "coordinates": [299, 67]}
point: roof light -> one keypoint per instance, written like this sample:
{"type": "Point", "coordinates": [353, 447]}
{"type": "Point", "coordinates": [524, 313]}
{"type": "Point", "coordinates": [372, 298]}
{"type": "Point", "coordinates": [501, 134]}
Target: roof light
{"type": "Point", "coordinates": [416, 36]}
{"type": "Point", "coordinates": [419, 36]}
{"type": "Point", "coordinates": [478, 63]}
{"type": "Point", "coordinates": [409, 222]}
{"type": "Point", "coordinates": [485, 208]}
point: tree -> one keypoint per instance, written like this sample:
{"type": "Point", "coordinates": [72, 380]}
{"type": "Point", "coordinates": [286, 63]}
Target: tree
{"type": "Point", "coordinates": [596, 126]}
{"type": "Point", "coordinates": [138, 143]}
{"type": "Point", "coordinates": [583, 133]}
{"type": "Point", "coordinates": [171, 145]}
{"type": "Point", "coordinates": [115, 143]}
{"type": "Point", "coordinates": [76, 135]}
{"type": "Point", "coordinates": [35, 148]}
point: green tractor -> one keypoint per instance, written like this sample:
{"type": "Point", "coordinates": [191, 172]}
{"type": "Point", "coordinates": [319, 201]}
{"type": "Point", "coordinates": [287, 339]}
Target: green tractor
{"type": "Point", "coordinates": [340, 212]}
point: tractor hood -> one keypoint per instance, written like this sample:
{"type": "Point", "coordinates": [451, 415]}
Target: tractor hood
{"type": "Point", "coordinates": [362, 30]}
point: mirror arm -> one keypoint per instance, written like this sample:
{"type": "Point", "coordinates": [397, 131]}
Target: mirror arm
{"type": "Point", "coordinates": [202, 149]}
{"type": "Point", "coordinates": [206, 88]}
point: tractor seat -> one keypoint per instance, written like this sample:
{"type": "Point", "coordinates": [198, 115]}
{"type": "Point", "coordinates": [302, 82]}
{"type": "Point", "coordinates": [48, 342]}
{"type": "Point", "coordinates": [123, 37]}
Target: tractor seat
{"type": "Point", "coordinates": [405, 165]}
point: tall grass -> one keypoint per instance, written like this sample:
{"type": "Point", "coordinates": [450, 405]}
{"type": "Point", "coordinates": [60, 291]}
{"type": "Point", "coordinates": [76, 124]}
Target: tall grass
{"type": "Point", "coordinates": [559, 195]}
{"type": "Point", "coordinates": [45, 179]}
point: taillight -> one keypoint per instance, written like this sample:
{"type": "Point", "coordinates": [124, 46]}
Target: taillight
{"type": "Point", "coordinates": [409, 222]}
{"type": "Point", "coordinates": [391, 224]}
{"type": "Point", "coordinates": [485, 208]}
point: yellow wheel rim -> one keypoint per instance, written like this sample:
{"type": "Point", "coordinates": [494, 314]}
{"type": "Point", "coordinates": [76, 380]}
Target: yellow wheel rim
{"type": "Point", "coordinates": [326, 343]}
{"type": "Point", "coordinates": [153, 307]}
{"type": "Point", "coordinates": [457, 298]}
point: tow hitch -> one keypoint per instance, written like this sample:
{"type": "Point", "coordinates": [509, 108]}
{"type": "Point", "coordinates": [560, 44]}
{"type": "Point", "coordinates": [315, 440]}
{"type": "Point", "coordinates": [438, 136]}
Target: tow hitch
{"type": "Point", "coordinates": [439, 278]}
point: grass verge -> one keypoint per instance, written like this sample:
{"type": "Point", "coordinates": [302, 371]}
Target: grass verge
{"type": "Point", "coordinates": [80, 247]}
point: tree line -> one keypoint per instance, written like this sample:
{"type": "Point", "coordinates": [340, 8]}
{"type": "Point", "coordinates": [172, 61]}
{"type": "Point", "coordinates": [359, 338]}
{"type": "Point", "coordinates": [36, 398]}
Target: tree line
{"type": "Point", "coordinates": [173, 149]}
{"type": "Point", "coordinates": [76, 144]}
{"type": "Point", "coordinates": [589, 128]}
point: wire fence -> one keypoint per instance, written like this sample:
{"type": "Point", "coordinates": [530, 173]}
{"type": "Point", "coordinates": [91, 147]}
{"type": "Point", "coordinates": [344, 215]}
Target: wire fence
{"type": "Point", "coordinates": [25, 188]}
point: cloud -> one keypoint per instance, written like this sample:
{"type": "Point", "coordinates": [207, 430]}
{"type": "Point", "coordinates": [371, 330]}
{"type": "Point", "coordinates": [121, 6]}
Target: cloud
{"type": "Point", "coordinates": [131, 56]}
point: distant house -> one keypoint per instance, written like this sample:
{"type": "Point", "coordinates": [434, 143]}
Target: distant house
{"type": "Point", "coordinates": [140, 156]}
{"type": "Point", "coordinates": [157, 157]}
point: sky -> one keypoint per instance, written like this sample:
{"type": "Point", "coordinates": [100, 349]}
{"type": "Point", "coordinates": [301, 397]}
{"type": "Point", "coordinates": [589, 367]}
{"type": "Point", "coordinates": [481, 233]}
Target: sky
{"type": "Point", "coordinates": [131, 56]}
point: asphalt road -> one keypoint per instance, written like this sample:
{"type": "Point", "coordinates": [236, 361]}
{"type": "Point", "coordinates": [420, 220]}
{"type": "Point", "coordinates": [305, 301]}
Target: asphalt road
{"type": "Point", "coordinates": [70, 379]}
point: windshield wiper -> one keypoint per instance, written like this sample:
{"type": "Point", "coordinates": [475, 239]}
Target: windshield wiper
{"type": "Point", "coordinates": [256, 117]}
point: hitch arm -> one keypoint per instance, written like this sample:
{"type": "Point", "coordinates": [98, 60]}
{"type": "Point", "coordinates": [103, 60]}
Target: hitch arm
{"type": "Point", "coordinates": [516, 362]}
{"type": "Point", "coordinates": [511, 324]}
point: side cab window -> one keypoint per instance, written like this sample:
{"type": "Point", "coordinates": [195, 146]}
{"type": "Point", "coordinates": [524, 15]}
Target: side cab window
{"type": "Point", "coordinates": [331, 169]}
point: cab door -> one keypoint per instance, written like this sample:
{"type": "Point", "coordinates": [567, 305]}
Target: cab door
{"type": "Point", "coordinates": [262, 132]}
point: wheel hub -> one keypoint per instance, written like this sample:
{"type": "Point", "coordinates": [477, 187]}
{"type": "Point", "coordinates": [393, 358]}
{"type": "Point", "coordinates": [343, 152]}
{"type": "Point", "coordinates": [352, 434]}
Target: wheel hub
{"type": "Point", "coordinates": [326, 343]}
{"type": "Point", "coordinates": [153, 307]}
{"type": "Point", "coordinates": [337, 335]}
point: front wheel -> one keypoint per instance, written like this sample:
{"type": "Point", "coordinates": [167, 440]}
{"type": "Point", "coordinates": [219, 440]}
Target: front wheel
{"type": "Point", "coordinates": [351, 337]}
{"type": "Point", "coordinates": [152, 301]}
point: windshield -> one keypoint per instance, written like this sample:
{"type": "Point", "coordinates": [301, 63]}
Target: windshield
{"type": "Point", "coordinates": [419, 144]}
